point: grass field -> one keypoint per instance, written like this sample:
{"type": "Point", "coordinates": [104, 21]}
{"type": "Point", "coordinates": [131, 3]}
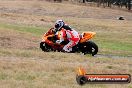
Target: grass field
{"type": "Point", "coordinates": [24, 65]}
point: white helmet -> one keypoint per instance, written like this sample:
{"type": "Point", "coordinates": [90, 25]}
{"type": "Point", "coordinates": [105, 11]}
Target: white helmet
{"type": "Point", "coordinates": [59, 24]}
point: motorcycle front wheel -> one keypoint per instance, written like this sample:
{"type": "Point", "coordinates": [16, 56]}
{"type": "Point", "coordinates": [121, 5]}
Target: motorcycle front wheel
{"type": "Point", "coordinates": [45, 47]}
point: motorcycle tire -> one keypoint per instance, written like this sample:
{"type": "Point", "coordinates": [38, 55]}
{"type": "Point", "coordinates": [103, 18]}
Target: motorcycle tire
{"type": "Point", "coordinates": [45, 47]}
{"type": "Point", "coordinates": [89, 47]}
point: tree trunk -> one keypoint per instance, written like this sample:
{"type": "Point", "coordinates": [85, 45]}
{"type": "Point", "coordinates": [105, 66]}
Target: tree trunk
{"type": "Point", "coordinates": [129, 4]}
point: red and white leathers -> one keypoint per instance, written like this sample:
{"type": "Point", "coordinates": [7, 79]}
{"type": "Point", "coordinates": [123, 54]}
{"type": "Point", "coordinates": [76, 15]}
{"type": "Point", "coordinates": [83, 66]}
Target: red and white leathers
{"type": "Point", "coordinates": [71, 35]}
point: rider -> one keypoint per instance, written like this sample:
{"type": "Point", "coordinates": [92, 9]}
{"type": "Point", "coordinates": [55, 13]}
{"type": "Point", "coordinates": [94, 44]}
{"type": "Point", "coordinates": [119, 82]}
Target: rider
{"type": "Point", "coordinates": [66, 33]}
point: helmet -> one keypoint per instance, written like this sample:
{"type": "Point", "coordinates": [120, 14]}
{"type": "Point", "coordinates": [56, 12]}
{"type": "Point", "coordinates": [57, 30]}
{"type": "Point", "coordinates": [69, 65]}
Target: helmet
{"type": "Point", "coordinates": [59, 24]}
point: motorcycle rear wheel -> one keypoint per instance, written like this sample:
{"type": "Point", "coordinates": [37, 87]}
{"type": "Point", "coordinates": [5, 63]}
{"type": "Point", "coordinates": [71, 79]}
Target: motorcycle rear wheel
{"type": "Point", "coordinates": [89, 47]}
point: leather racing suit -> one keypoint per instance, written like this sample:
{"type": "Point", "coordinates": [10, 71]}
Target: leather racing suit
{"type": "Point", "coordinates": [66, 33]}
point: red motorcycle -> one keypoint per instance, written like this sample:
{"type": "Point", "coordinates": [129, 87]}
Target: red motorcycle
{"type": "Point", "coordinates": [85, 45]}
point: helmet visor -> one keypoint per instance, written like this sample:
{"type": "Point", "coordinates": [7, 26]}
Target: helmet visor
{"type": "Point", "coordinates": [57, 26]}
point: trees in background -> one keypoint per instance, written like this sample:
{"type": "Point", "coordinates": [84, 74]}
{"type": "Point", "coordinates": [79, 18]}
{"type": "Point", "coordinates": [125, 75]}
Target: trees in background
{"type": "Point", "coordinates": [108, 3]}
{"type": "Point", "coordinates": [105, 3]}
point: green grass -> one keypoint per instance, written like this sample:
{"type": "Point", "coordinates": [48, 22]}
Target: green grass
{"type": "Point", "coordinates": [25, 76]}
{"type": "Point", "coordinates": [121, 45]}
{"type": "Point", "coordinates": [109, 67]}
{"type": "Point", "coordinates": [113, 42]}
{"type": "Point", "coordinates": [26, 29]}
{"type": "Point", "coordinates": [4, 76]}
{"type": "Point", "coordinates": [117, 46]}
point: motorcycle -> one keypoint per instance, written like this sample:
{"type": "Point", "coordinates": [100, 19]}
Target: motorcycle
{"type": "Point", "coordinates": [85, 45]}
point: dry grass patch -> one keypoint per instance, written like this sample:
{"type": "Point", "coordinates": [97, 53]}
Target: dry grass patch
{"type": "Point", "coordinates": [14, 39]}
{"type": "Point", "coordinates": [24, 65]}
{"type": "Point", "coordinates": [46, 72]}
